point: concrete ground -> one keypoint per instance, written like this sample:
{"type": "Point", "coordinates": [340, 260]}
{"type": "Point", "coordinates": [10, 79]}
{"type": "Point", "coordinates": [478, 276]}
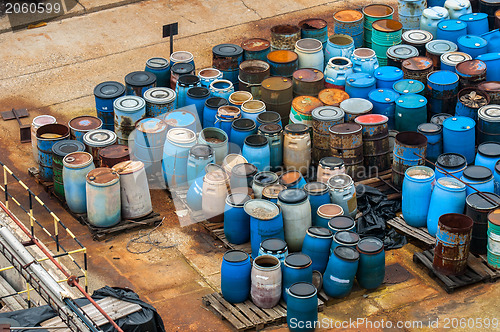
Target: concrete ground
{"type": "Point", "coordinates": [53, 70]}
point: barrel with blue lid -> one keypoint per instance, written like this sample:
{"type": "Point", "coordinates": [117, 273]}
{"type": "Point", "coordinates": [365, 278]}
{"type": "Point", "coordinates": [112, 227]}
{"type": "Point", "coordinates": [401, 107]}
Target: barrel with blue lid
{"type": "Point", "coordinates": [477, 23]}
{"type": "Point", "coordinates": [138, 82]}
{"type": "Point", "coordinates": [436, 48]}
{"type": "Point", "coordinates": [386, 76]}
{"type": "Point", "coordinates": [473, 45]}
{"type": "Point", "coordinates": [489, 123]}
{"type": "Point", "coordinates": [451, 30]}
{"type": "Point", "coordinates": [434, 134]}
{"type": "Point", "coordinates": [397, 53]}
{"type": "Point", "coordinates": [371, 267]}
{"type": "Point", "coordinates": [459, 136]}
{"type": "Point", "coordinates": [128, 110]}
{"type": "Point", "coordinates": [408, 86]}
{"type": "Point", "coordinates": [105, 94]}
{"type": "Point", "coordinates": [159, 101]}
{"type": "Point", "coordinates": [492, 37]}
{"type": "Point", "coordinates": [492, 61]}
{"type": "Point", "coordinates": [235, 276]}
{"type": "Point", "coordinates": [160, 67]}
{"type": "Point", "coordinates": [451, 59]}
{"type": "Point", "coordinates": [442, 91]}
{"type": "Point", "coordinates": [384, 102]}
{"type": "Point", "coordinates": [479, 177]}
{"type": "Point", "coordinates": [340, 272]}
{"type": "Point", "coordinates": [317, 246]}
{"type": "Point", "coordinates": [59, 150]}
{"type": "Point", "coordinates": [358, 85]}
{"type": "Point", "coordinates": [411, 110]}
{"type": "Point", "coordinates": [453, 163]}
{"type": "Point", "coordinates": [212, 104]}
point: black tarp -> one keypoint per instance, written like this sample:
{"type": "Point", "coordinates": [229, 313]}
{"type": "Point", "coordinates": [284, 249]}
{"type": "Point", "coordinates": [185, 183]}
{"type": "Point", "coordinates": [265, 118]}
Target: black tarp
{"type": "Point", "coordinates": [145, 320]}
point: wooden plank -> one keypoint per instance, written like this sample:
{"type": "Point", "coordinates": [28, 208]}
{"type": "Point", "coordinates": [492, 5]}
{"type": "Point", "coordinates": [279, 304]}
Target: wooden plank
{"type": "Point", "coordinates": [13, 303]}
{"type": "Point", "coordinates": [258, 311]}
{"type": "Point", "coordinates": [230, 307]}
{"type": "Point", "coordinates": [256, 320]}
{"type": "Point", "coordinates": [228, 315]}
{"type": "Point", "coordinates": [478, 266]}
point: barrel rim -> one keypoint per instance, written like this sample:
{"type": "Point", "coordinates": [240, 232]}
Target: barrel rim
{"type": "Point", "coordinates": [447, 220]}
{"type": "Point", "coordinates": [45, 129]}
{"type": "Point", "coordinates": [273, 214]}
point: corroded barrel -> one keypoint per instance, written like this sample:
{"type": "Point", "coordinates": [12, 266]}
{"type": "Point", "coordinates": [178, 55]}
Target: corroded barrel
{"type": "Point", "coordinates": [346, 143]}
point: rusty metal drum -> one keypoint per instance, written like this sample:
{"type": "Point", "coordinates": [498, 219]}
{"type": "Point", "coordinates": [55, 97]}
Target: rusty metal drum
{"type": "Point", "coordinates": [436, 48]}
{"type": "Point", "coordinates": [442, 90]}
{"type": "Point", "coordinates": [159, 101]}
{"type": "Point", "coordinates": [409, 148]}
{"type": "Point", "coordinates": [346, 142]}
{"type": "Point", "coordinates": [284, 37]}
{"type": "Point", "coordinates": [113, 154]}
{"type": "Point", "coordinates": [409, 13]}
{"type": "Point", "coordinates": [96, 140]}
{"type": "Point", "coordinates": [226, 57]}
{"type": "Point", "coordinates": [302, 107]}
{"type": "Point", "coordinates": [103, 197]}
{"type": "Point", "coordinates": [277, 94]}
{"type": "Point", "coordinates": [471, 73]}
{"type": "Point", "coordinates": [255, 49]}
{"type": "Point", "coordinates": [386, 33]}
{"type": "Point", "coordinates": [492, 88]}
{"type": "Point", "coordinates": [283, 62]}
{"type": "Point", "coordinates": [417, 68]}
{"type": "Point", "coordinates": [376, 152]}
{"type": "Point", "coordinates": [308, 82]}
{"type": "Point", "coordinates": [322, 119]}
{"type": "Point", "coordinates": [252, 73]}
{"type": "Point", "coordinates": [81, 125]}
{"type": "Point", "coordinates": [37, 122]}
{"type": "Point", "coordinates": [350, 22]}
{"type": "Point", "coordinates": [332, 97]}
{"type": "Point", "coordinates": [316, 28]}
{"type": "Point", "coordinates": [398, 53]}
{"type": "Point", "coordinates": [128, 110]}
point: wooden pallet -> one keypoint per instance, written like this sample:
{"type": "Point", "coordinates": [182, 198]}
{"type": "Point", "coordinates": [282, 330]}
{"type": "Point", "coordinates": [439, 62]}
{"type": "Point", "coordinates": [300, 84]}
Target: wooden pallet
{"type": "Point", "coordinates": [475, 272]}
{"type": "Point", "coordinates": [494, 273]}
{"type": "Point", "coordinates": [246, 315]}
{"type": "Point", "coordinates": [47, 185]}
{"type": "Point", "coordinates": [421, 234]}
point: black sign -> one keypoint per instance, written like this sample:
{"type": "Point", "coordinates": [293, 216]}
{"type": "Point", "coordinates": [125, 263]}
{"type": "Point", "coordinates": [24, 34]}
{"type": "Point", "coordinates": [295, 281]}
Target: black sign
{"type": "Point", "coordinates": [171, 29]}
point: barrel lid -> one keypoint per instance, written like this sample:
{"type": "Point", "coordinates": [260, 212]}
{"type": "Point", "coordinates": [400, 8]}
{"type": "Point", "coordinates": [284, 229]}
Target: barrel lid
{"type": "Point", "coordinates": [298, 259]}
{"type": "Point", "coordinates": [340, 181]}
{"type": "Point", "coordinates": [312, 24]}
{"type": "Point", "coordinates": [439, 46]}
{"type": "Point", "coordinates": [255, 44]}
{"type": "Point", "coordinates": [282, 56]}
{"type": "Point", "coordinates": [201, 151]}
{"type": "Point", "coordinates": [41, 120]}
{"type": "Point", "coordinates": [370, 245]}
{"type": "Point", "coordinates": [292, 196]}
{"type": "Point", "coordinates": [361, 80]}
{"type": "Point", "coordinates": [157, 63]}
{"type": "Point", "coordinates": [477, 173]}
{"type": "Point", "coordinates": [345, 128]}
{"type": "Point", "coordinates": [277, 83]}
{"type": "Point", "coordinates": [256, 140]}
{"type": "Point", "coordinates": [296, 128]}
{"type": "Point", "coordinates": [417, 37]}
{"type": "Point", "coordinates": [77, 159]}
{"type": "Point", "coordinates": [459, 123]}
{"type": "Point", "coordinates": [451, 160]}
{"type": "Point", "coordinates": [316, 188]}
{"type": "Point", "coordinates": [181, 56]}
{"type": "Point", "coordinates": [435, 13]}
{"type": "Point", "coordinates": [151, 125]}
{"type": "Point", "coordinates": [237, 199]}
{"type": "Point", "coordinates": [454, 58]}
{"type": "Point", "coordinates": [188, 80]}
{"type": "Point", "coordinates": [227, 50]}
{"type": "Point", "coordinates": [216, 102]}
{"type": "Point", "coordinates": [387, 25]}
{"type": "Point", "coordinates": [128, 167]}
{"type": "Point", "coordinates": [347, 237]}
{"type": "Point", "coordinates": [346, 253]}
{"type": "Point", "coordinates": [254, 106]}
{"type": "Point", "coordinates": [356, 106]}
{"type": "Point", "coordinates": [272, 190]}
{"type": "Point", "coordinates": [182, 68]}
{"type": "Point", "coordinates": [244, 170]}
{"type": "Point", "coordinates": [331, 162]}
{"type": "Point", "coordinates": [265, 177]}
{"type": "Point", "coordinates": [473, 17]}
{"type": "Point", "coordinates": [109, 90]}
{"type": "Point", "coordinates": [198, 92]}
{"type": "Point", "coordinates": [497, 167]}
{"type": "Point", "coordinates": [383, 96]}
{"type": "Point", "coordinates": [274, 245]}
{"type": "Point", "coordinates": [64, 147]}
{"type": "Point", "coordinates": [309, 45]}
{"type": "Point", "coordinates": [348, 15]}
{"type": "Point", "coordinates": [489, 113]}
{"type": "Point", "coordinates": [268, 117]}
{"type": "Point", "coordinates": [270, 128]}
{"type": "Point", "coordinates": [411, 100]}
{"type": "Point", "coordinates": [417, 63]}
{"type": "Point", "coordinates": [443, 77]}
{"type": "Point", "coordinates": [210, 73]}
{"type": "Point", "coordinates": [305, 104]}
{"type": "Point", "coordinates": [489, 56]}
{"type": "Point", "coordinates": [261, 209]}
{"type": "Point", "coordinates": [439, 118]}
{"type": "Point", "coordinates": [99, 138]}
{"type": "Point", "coordinates": [457, 4]}
{"type": "Point", "coordinates": [235, 256]}
{"type": "Point", "coordinates": [332, 97]}
{"type": "Point", "coordinates": [388, 73]}
{"type": "Point", "coordinates": [290, 178]}
{"type": "Point", "coordinates": [320, 231]}
{"type": "Point", "coordinates": [102, 175]}
{"type": "Point", "coordinates": [308, 75]}
{"type": "Point", "coordinates": [140, 78]}
{"type": "Point", "coordinates": [228, 112]}
{"type": "Point", "coordinates": [302, 289]}
{"type": "Point", "coordinates": [363, 53]}
{"type": "Point", "coordinates": [231, 160]}
{"type": "Point", "coordinates": [452, 25]}
{"type": "Point", "coordinates": [429, 128]}
{"type": "Point", "coordinates": [377, 10]}
{"type": "Point", "coordinates": [242, 97]}
{"type": "Point", "coordinates": [179, 118]}
{"type": "Point", "coordinates": [159, 95]}
{"type": "Point", "coordinates": [489, 149]}
{"type": "Point", "coordinates": [341, 223]}
{"type": "Point", "coordinates": [408, 86]}
{"type": "Point", "coordinates": [329, 210]}
{"type": "Point", "coordinates": [85, 123]}
{"type": "Point", "coordinates": [327, 113]}
{"type": "Point", "coordinates": [129, 103]}
{"type": "Point", "coordinates": [402, 51]}
{"type": "Point", "coordinates": [243, 124]}
{"type": "Point", "coordinates": [471, 41]}
{"type": "Point", "coordinates": [218, 176]}
{"type": "Point", "coordinates": [181, 135]}
{"type": "Point", "coordinates": [471, 67]}
{"type": "Point", "coordinates": [371, 119]}
{"type": "Point", "coordinates": [478, 202]}
{"type": "Point", "coordinates": [115, 151]}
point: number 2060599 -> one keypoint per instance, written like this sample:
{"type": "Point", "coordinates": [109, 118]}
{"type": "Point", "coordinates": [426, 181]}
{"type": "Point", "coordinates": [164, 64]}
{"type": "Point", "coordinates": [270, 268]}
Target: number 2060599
{"type": "Point", "coordinates": [32, 8]}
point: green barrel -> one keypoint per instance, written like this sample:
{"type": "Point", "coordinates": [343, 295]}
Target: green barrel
{"type": "Point", "coordinates": [372, 13]}
{"type": "Point", "coordinates": [59, 150]}
{"type": "Point", "coordinates": [493, 253]}
{"type": "Point", "coordinates": [385, 33]}
{"type": "Point", "coordinates": [411, 110]}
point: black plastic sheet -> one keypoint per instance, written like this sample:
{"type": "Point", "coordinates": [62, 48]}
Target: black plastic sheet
{"type": "Point", "coordinates": [376, 209]}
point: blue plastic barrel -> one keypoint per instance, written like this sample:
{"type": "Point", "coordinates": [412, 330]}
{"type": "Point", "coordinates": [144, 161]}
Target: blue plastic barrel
{"type": "Point", "coordinates": [492, 37]}
{"type": "Point", "coordinates": [103, 197]}
{"type": "Point", "coordinates": [479, 177]}
{"type": "Point", "coordinates": [448, 196]}
{"type": "Point", "coordinates": [319, 194]}
{"type": "Point", "coordinates": [302, 307]}
{"type": "Point", "coordinates": [266, 222]}
{"type": "Point", "coordinates": [208, 75]}
{"type": "Point", "coordinates": [340, 272]}
{"type": "Point", "coordinates": [184, 83]}
{"type": "Point", "coordinates": [459, 136]}
{"type": "Point", "coordinates": [408, 86]}
{"type": "Point", "coordinates": [150, 134]}
{"type": "Point", "coordinates": [240, 129]}
{"type": "Point", "coordinates": [345, 238]}
{"type": "Point", "coordinates": [325, 213]}
{"type": "Point", "coordinates": [226, 115]}
{"type": "Point", "coordinates": [105, 94]}
{"type": "Point", "coordinates": [434, 134]}
{"type": "Point", "coordinates": [180, 119]}
{"type": "Point", "coordinates": [256, 49]}
{"type": "Point", "coordinates": [197, 96]}
{"type": "Point", "coordinates": [195, 191]}
{"type": "Point", "coordinates": [317, 245]}
{"type": "Point", "coordinates": [371, 266]}
{"type": "Point", "coordinates": [472, 45]}
{"type": "Point", "coordinates": [235, 277]}
{"type": "Point", "coordinates": [137, 82]}
{"type": "Point", "coordinates": [175, 154]}
{"type": "Point", "coordinates": [417, 189]}
{"type": "Point", "coordinates": [488, 154]}
{"type": "Point", "coordinates": [160, 67]}
{"type": "Point", "coordinates": [341, 223]}
{"type": "Point", "coordinates": [199, 157]}
{"type": "Point", "coordinates": [297, 267]}
{"type": "Point", "coordinates": [384, 102]}
{"type": "Point", "coordinates": [256, 151]}
{"type": "Point", "coordinates": [477, 23]}
{"type": "Point", "coordinates": [411, 110]}
{"type": "Point", "coordinates": [492, 61]}
{"type": "Point", "coordinates": [451, 30]}
{"type": "Point", "coordinates": [47, 136]}
{"type": "Point", "coordinates": [159, 101]}
{"type": "Point", "coordinates": [386, 76]}
{"type": "Point", "coordinates": [76, 167]}
{"type": "Point", "coordinates": [274, 134]}
{"type": "Point", "coordinates": [236, 221]}
{"type": "Point", "coordinates": [442, 90]}
{"type": "Point", "coordinates": [359, 85]}
{"type": "Point", "coordinates": [128, 110]}
{"type": "Point", "coordinates": [212, 104]}
{"type": "Point", "coordinates": [453, 163]}
{"type": "Point", "coordinates": [274, 247]}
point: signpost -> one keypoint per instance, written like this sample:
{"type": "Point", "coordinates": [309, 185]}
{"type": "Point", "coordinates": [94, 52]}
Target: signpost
{"type": "Point", "coordinates": [170, 30]}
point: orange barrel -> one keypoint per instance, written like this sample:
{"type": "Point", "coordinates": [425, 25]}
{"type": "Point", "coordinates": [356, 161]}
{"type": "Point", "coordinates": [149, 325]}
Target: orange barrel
{"type": "Point", "coordinates": [277, 94]}
{"type": "Point", "coordinates": [308, 82]}
{"type": "Point", "coordinates": [283, 62]}
{"type": "Point", "coordinates": [302, 107]}
{"type": "Point", "coordinates": [332, 97]}
{"type": "Point", "coordinates": [376, 152]}
{"type": "Point", "coordinates": [346, 142]}
{"type": "Point", "coordinates": [350, 22]}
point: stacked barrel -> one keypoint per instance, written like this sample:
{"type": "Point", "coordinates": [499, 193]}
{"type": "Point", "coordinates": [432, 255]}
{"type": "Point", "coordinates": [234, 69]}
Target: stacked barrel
{"type": "Point", "coordinates": [385, 33]}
